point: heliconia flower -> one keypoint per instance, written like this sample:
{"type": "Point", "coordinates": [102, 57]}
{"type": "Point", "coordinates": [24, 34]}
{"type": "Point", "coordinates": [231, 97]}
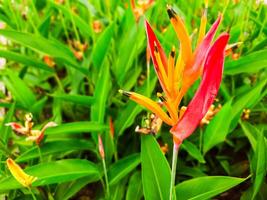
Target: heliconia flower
{"type": "Point", "coordinates": [177, 76]}
{"type": "Point", "coordinates": [26, 130]}
{"type": "Point", "coordinates": [101, 147]}
{"type": "Point", "coordinates": [23, 178]}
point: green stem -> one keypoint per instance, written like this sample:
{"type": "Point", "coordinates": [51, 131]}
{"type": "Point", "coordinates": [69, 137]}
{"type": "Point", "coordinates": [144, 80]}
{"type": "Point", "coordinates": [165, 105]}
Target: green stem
{"type": "Point", "coordinates": [72, 21]}
{"type": "Point", "coordinates": [64, 26]}
{"type": "Point", "coordinates": [106, 176]}
{"type": "Point", "coordinates": [201, 140]}
{"type": "Point", "coordinates": [40, 153]}
{"type": "Point", "coordinates": [33, 196]}
{"type": "Point", "coordinates": [59, 83]}
{"type": "Point", "coordinates": [174, 164]}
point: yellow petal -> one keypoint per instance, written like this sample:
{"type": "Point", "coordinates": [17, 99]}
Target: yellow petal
{"type": "Point", "coordinates": [171, 71]}
{"type": "Point", "coordinates": [23, 178]}
{"type": "Point", "coordinates": [150, 105]}
{"type": "Point", "coordinates": [178, 73]}
{"type": "Point", "coordinates": [169, 105]}
{"type": "Point", "coordinates": [162, 72]}
{"type": "Point", "coordinates": [202, 29]}
{"type": "Point", "coordinates": [182, 34]}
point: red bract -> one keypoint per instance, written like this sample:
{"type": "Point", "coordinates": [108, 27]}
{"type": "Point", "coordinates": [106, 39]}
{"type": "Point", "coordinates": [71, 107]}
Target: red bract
{"type": "Point", "coordinates": [153, 42]}
{"type": "Point", "coordinates": [206, 93]}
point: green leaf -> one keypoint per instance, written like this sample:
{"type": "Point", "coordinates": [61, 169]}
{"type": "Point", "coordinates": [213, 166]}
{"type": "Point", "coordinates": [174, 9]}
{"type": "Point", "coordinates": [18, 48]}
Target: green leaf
{"type": "Point", "coordinates": [77, 99]}
{"type": "Point", "coordinates": [134, 191]}
{"type": "Point", "coordinates": [251, 133]}
{"type": "Point", "coordinates": [102, 90]}
{"type": "Point", "coordinates": [123, 167]}
{"type": "Point", "coordinates": [117, 191]}
{"type": "Point", "coordinates": [50, 47]}
{"type": "Point", "coordinates": [134, 38]}
{"type": "Point", "coordinates": [39, 43]}
{"type": "Point", "coordinates": [156, 173]}
{"type": "Point", "coordinates": [39, 105]}
{"type": "Point", "coordinates": [19, 90]}
{"type": "Point", "coordinates": [55, 172]}
{"type": "Point", "coordinates": [101, 47]}
{"type": "Point", "coordinates": [25, 59]}
{"type": "Point", "coordinates": [54, 147]}
{"type": "Point", "coordinates": [250, 63]}
{"type": "Point", "coordinates": [259, 164]}
{"type": "Point", "coordinates": [67, 190]}
{"type": "Point", "coordinates": [217, 129]}
{"type": "Point", "coordinates": [193, 151]}
{"type": "Point", "coordinates": [84, 27]}
{"type": "Point", "coordinates": [76, 127]}
{"type": "Point", "coordinates": [5, 130]}
{"type": "Point", "coordinates": [205, 187]}
{"type": "Point", "coordinates": [247, 100]}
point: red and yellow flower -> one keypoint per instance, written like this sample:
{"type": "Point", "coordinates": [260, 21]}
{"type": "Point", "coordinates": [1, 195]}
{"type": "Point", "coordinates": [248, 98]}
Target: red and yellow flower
{"type": "Point", "coordinates": [176, 75]}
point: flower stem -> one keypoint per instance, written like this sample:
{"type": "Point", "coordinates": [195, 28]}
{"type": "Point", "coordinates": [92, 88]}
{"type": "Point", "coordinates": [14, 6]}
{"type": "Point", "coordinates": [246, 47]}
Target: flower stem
{"type": "Point", "coordinates": [174, 164]}
{"type": "Point", "coordinates": [31, 192]}
{"type": "Point", "coordinates": [106, 177]}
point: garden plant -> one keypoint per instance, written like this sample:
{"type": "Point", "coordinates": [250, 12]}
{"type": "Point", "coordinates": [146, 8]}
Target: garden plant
{"type": "Point", "coordinates": [133, 99]}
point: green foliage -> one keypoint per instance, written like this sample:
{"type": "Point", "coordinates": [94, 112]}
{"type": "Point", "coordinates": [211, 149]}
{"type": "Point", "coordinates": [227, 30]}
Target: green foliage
{"type": "Point", "coordinates": [65, 62]}
{"type": "Point", "coordinates": [156, 173]}
{"type": "Point", "coordinates": [205, 187]}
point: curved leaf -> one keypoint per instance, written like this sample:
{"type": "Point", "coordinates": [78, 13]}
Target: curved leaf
{"type": "Point", "coordinates": [248, 64]}
{"type": "Point", "coordinates": [217, 129]}
{"type": "Point", "coordinates": [156, 172]}
{"type": "Point", "coordinates": [76, 127]}
{"type": "Point", "coordinates": [121, 168]}
{"type": "Point", "coordinates": [53, 147]}
{"type": "Point", "coordinates": [205, 187]}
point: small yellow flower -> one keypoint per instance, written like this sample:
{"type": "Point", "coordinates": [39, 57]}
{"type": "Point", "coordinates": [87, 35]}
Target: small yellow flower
{"type": "Point", "coordinates": [23, 178]}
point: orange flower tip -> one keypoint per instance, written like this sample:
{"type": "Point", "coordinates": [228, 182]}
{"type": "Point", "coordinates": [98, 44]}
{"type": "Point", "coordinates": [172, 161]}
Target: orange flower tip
{"type": "Point", "coordinates": [161, 97]}
{"type": "Point", "coordinates": [9, 161]}
{"type": "Point", "coordinates": [171, 12]}
{"type": "Point", "coordinates": [125, 93]}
